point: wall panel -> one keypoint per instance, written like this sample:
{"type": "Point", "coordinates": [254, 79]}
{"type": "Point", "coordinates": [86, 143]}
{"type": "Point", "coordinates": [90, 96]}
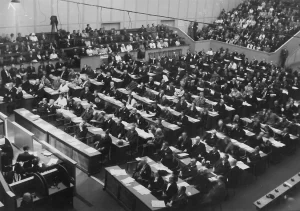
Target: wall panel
{"type": "Point", "coordinates": [72, 16]}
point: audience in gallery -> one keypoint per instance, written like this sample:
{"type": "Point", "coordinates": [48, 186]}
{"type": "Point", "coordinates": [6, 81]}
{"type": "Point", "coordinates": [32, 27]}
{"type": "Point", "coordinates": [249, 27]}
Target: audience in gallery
{"type": "Point", "coordinates": [42, 47]}
{"type": "Point", "coordinates": [258, 25]}
{"type": "Point", "coordinates": [227, 77]}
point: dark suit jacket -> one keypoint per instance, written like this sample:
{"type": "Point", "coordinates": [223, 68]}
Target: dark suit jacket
{"type": "Point", "coordinates": [170, 191]}
{"type": "Point", "coordinates": [221, 169]}
{"type": "Point", "coordinates": [26, 158]}
{"type": "Point", "coordinates": [143, 172]}
{"type": "Point", "coordinates": [117, 129]}
{"type": "Point", "coordinates": [184, 144]}
{"type": "Point", "coordinates": [180, 106]}
{"type": "Point", "coordinates": [197, 150]}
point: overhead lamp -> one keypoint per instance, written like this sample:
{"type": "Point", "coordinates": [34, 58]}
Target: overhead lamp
{"type": "Point", "coordinates": [15, 1]}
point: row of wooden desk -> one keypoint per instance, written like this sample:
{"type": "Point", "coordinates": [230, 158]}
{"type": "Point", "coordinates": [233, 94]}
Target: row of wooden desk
{"type": "Point", "coordinates": [278, 192]}
{"type": "Point", "coordinates": [127, 194]}
{"type": "Point", "coordinates": [87, 158]}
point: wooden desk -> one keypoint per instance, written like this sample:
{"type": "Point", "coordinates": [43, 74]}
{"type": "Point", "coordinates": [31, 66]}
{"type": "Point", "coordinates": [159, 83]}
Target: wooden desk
{"type": "Point", "coordinates": [126, 195]}
{"type": "Point", "coordinates": [118, 152]}
{"type": "Point", "coordinates": [191, 191]}
{"type": "Point", "coordinates": [86, 157]}
{"type": "Point", "coordinates": [38, 127]}
{"type": "Point", "coordinates": [73, 148]}
{"type": "Point", "coordinates": [264, 201]}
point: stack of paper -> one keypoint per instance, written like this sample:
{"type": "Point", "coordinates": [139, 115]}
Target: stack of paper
{"type": "Point", "coordinates": [181, 155]}
{"type": "Point", "coordinates": [47, 153]}
{"type": "Point", "coordinates": [91, 150]}
{"type": "Point", "coordinates": [241, 165]}
{"type": "Point", "coordinates": [158, 204]}
{"type": "Point", "coordinates": [128, 180]}
{"type": "Point", "coordinates": [142, 190]}
{"type": "Point", "coordinates": [185, 184]}
{"type": "Point", "coordinates": [52, 161]}
{"type": "Point", "coordinates": [118, 172]}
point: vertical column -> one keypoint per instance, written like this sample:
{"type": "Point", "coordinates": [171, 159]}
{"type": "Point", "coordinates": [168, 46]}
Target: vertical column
{"type": "Point", "coordinates": [196, 13]}
{"type": "Point", "coordinates": [97, 21]}
{"type": "Point", "coordinates": [147, 16]}
{"type": "Point", "coordinates": [83, 15]}
{"type": "Point", "coordinates": [187, 10]}
{"type": "Point", "coordinates": [34, 16]}
{"type": "Point", "coordinates": [68, 14]}
{"type": "Point", "coordinates": [158, 18]}
{"type": "Point", "coordinates": [135, 20]}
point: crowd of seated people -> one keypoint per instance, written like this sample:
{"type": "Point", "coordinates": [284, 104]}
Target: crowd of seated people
{"type": "Point", "coordinates": [41, 47]}
{"type": "Point", "coordinates": [258, 25]}
{"type": "Point", "coordinates": [250, 87]}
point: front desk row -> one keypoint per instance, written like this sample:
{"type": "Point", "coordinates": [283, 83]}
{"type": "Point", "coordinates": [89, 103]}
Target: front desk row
{"type": "Point", "coordinates": [29, 185]}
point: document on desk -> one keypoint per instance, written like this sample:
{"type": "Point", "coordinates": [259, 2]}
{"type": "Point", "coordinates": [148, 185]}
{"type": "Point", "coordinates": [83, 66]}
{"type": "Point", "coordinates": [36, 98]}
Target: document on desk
{"type": "Point", "coordinates": [24, 112]}
{"type": "Point", "coordinates": [52, 161]}
{"type": "Point", "coordinates": [91, 150]}
{"type": "Point", "coordinates": [97, 129]}
{"type": "Point", "coordinates": [47, 153]}
{"type": "Point", "coordinates": [128, 180]}
{"type": "Point", "coordinates": [118, 172]}
{"type": "Point", "coordinates": [158, 204]}
{"type": "Point", "coordinates": [181, 155]}
{"type": "Point", "coordinates": [142, 190]}
{"type": "Point", "coordinates": [34, 117]}
{"type": "Point", "coordinates": [241, 165]}
{"type": "Point", "coordinates": [185, 184]}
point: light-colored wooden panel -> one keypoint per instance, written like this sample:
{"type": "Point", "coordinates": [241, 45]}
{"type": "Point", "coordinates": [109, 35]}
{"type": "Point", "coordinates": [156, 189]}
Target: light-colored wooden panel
{"type": "Point", "coordinates": [163, 8]}
{"type": "Point", "coordinates": [173, 11]}
{"type": "Point", "coordinates": [182, 8]}
{"type": "Point", "coordinates": [116, 14]}
{"type": "Point", "coordinates": [141, 7]}
{"type": "Point", "coordinates": [192, 10]}
{"type": "Point", "coordinates": [62, 14]}
{"type": "Point", "coordinates": [76, 12]}
{"type": "Point", "coordinates": [43, 13]}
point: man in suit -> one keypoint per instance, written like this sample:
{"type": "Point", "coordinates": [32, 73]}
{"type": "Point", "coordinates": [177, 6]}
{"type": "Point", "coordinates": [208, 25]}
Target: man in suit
{"type": "Point", "coordinates": [198, 150]}
{"type": "Point", "coordinates": [87, 115]}
{"type": "Point", "coordinates": [140, 122]}
{"type": "Point", "coordinates": [122, 113]}
{"type": "Point", "coordinates": [233, 175]}
{"type": "Point", "coordinates": [142, 173]}
{"type": "Point", "coordinates": [190, 171]}
{"type": "Point", "coordinates": [181, 105]}
{"type": "Point", "coordinates": [109, 124]}
{"type": "Point", "coordinates": [126, 79]}
{"type": "Point", "coordinates": [170, 189]}
{"type": "Point", "coordinates": [5, 75]}
{"type": "Point", "coordinates": [213, 156]}
{"type": "Point", "coordinates": [25, 157]}
{"type": "Point", "coordinates": [183, 121]}
{"type": "Point", "coordinates": [132, 137]}
{"type": "Point", "coordinates": [118, 129]}
{"type": "Point", "coordinates": [51, 108]}
{"type": "Point", "coordinates": [104, 144]}
{"type": "Point", "coordinates": [82, 132]}
{"type": "Point", "coordinates": [222, 166]}
{"type": "Point", "coordinates": [184, 143]}
{"type": "Point", "coordinates": [86, 94]}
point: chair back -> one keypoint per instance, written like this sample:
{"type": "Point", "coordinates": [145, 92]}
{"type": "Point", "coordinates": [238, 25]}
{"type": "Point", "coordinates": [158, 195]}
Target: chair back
{"type": "Point", "coordinates": [131, 167]}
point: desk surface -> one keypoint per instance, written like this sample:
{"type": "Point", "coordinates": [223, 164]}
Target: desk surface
{"type": "Point", "coordinates": [277, 192]}
{"type": "Point", "coordinates": [72, 142]}
{"type": "Point", "coordinates": [146, 199]}
{"type": "Point", "coordinates": [191, 191]}
{"type": "Point", "coordinates": [34, 119]}
{"type": "Point", "coordinates": [95, 131]}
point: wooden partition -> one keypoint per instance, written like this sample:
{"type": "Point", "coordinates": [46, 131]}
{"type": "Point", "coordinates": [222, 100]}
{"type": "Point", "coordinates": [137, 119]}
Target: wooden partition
{"type": "Point", "coordinates": [96, 61]}
{"type": "Point", "coordinates": [7, 197]}
{"type": "Point", "coordinates": [23, 137]}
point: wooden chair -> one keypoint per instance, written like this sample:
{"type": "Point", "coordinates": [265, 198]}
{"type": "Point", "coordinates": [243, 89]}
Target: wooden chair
{"type": "Point", "coordinates": [131, 166]}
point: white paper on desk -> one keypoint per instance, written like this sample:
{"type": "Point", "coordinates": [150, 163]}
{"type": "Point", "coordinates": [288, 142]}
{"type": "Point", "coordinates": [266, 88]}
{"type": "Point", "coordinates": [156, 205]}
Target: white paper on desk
{"type": "Point", "coordinates": [185, 184]}
{"type": "Point", "coordinates": [138, 159]}
{"type": "Point", "coordinates": [91, 150]}
{"type": "Point", "coordinates": [198, 163]}
{"type": "Point", "coordinates": [241, 165]}
{"type": "Point", "coordinates": [212, 92]}
{"type": "Point", "coordinates": [47, 153]}
{"type": "Point", "coordinates": [183, 154]}
{"type": "Point", "coordinates": [54, 160]}
{"type": "Point", "coordinates": [97, 129]}
{"type": "Point", "coordinates": [138, 187]}
{"type": "Point", "coordinates": [34, 117]}
{"type": "Point", "coordinates": [75, 143]}
{"type": "Point", "coordinates": [158, 204]}
{"type": "Point", "coordinates": [293, 87]}
{"type": "Point", "coordinates": [284, 91]}
{"type": "Point", "coordinates": [128, 180]}
{"type": "Point", "coordinates": [246, 104]}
